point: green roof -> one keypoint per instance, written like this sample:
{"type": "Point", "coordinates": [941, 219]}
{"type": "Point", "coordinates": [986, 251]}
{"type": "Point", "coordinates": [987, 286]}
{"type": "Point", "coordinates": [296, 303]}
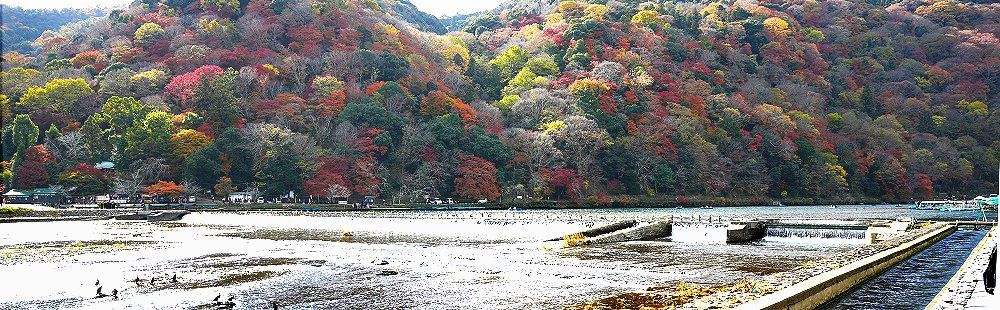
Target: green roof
{"type": "Point", "coordinates": [992, 201]}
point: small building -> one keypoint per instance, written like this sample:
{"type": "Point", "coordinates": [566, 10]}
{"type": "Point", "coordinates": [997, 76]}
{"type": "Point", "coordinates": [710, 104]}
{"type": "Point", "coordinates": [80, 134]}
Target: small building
{"type": "Point", "coordinates": [241, 197]}
{"type": "Point", "coordinates": [114, 199]}
{"type": "Point", "coordinates": [40, 196]}
{"type": "Point", "coordinates": [106, 167]}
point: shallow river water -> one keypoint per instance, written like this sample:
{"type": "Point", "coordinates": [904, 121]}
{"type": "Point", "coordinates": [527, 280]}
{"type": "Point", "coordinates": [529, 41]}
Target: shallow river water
{"type": "Point", "coordinates": [385, 260]}
{"type": "Point", "coordinates": [913, 283]}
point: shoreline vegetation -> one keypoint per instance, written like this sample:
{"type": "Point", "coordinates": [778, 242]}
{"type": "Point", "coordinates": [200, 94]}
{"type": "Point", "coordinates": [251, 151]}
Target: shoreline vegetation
{"type": "Point", "coordinates": [13, 213]}
{"type": "Point", "coordinates": [622, 203]}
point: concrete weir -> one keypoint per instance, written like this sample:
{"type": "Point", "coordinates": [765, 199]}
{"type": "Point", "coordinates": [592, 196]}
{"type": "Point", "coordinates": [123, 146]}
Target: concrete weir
{"type": "Point", "coordinates": [650, 231]}
{"type": "Point", "coordinates": [881, 230]}
{"type": "Point", "coordinates": [820, 289]}
{"type": "Point", "coordinates": [594, 232]}
{"type": "Point", "coordinates": [734, 231]}
{"type": "Point", "coordinates": [154, 216]}
{"type": "Point", "coordinates": [745, 231]}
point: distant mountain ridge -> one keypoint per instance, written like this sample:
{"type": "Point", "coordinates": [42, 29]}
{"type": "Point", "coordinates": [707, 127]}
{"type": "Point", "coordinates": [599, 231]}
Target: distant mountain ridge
{"type": "Point", "coordinates": [21, 27]}
{"type": "Point", "coordinates": [409, 12]}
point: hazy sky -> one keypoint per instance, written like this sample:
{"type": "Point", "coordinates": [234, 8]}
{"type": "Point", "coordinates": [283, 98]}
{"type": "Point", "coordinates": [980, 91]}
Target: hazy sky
{"type": "Point", "coordinates": [436, 7]}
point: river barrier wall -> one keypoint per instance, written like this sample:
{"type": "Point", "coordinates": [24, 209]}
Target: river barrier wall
{"type": "Point", "coordinates": [63, 215]}
{"type": "Point", "coordinates": [820, 289]}
{"type": "Point", "coordinates": [687, 230]}
{"type": "Point", "coordinates": [964, 285]}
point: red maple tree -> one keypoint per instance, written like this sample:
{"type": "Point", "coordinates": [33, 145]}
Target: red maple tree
{"type": "Point", "coordinates": [478, 178]}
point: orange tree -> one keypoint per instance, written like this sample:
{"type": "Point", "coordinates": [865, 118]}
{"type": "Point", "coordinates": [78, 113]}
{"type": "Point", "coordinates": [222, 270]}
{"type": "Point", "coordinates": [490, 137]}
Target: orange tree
{"type": "Point", "coordinates": [165, 188]}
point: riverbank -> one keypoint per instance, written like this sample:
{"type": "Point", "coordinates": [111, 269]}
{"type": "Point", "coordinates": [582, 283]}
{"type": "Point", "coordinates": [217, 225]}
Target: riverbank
{"type": "Point", "coordinates": [544, 205]}
{"type": "Point", "coordinates": [826, 212]}
{"type": "Point", "coordinates": [693, 296]}
{"type": "Point", "coordinates": [965, 290]}
{"type": "Point", "coordinates": [51, 215]}
{"type": "Point", "coordinates": [913, 282]}
{"type": "Point", "coordinates": [447, 260]}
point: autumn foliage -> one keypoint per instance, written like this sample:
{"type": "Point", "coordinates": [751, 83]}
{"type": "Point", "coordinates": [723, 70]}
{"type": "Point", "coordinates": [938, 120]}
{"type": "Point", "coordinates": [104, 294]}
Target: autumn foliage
{"type": "Point", "coordinates": [578, 100]}
{"type": "Point", "coordinates": [477, 178]}
{"type": "Point", "coordinates": [165, 188]}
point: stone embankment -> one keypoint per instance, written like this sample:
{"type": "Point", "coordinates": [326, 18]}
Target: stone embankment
{"type": "Point", "coordinates": [747, 290]}
{"type": "Point", "coordinates": [62, 215]}
{"type": "Point", "coordinates": [965, 289]}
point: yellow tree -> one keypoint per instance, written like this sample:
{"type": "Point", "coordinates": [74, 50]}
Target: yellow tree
{"type": "Point", "coordinates": [777, 26]}
{"type": "Point", "coordinates": [188, 141]}
{"type": "Point", "coordinates": [148, 33]}
{"type": "Point", "coordinates": [646, 17]}
{"type": "Point", "coordinates": [61, 93]}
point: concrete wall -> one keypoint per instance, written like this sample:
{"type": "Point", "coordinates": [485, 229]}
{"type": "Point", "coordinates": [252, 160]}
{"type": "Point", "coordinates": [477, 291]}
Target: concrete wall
{"type": "Point", "coordinates": [645, 232]}
{"type": "Point", "coordinates": [816, 291]}
{"type": "Point", "coordinates": [745, 231]}
{"type": "Point", "coordinates": [964, 286]}
{"type": "Point", "coordinates": [594, 232]}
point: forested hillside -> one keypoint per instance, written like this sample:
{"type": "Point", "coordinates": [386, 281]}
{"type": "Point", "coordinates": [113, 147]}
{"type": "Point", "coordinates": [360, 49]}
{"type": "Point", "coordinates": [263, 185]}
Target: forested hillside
{"type": "Point", "coordinates": [573, 100]}
{"type": "Point", "coordinates": [21, 27]}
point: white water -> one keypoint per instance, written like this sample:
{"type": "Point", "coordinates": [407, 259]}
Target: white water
{"type": "Point", "coordinates": [444, 260]}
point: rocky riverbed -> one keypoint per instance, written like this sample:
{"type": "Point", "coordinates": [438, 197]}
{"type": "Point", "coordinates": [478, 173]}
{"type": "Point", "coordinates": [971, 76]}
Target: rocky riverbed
{"type": "Point", "coordinates": [437, 260]}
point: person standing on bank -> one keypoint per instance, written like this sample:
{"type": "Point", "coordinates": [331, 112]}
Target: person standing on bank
{"type": "Point", "coordinates": [990, 275]}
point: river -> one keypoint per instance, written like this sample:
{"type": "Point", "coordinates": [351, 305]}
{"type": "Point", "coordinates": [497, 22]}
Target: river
{"type": "Point", "coordinates": [434, 260]}
{"type": "Point", "coordinates": [913, 283]}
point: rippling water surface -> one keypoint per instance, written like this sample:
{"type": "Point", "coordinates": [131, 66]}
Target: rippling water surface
{"type": "Point", "coordinates": [913, 283]}
{"type": "Point", "coordinates": [462, 259]}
